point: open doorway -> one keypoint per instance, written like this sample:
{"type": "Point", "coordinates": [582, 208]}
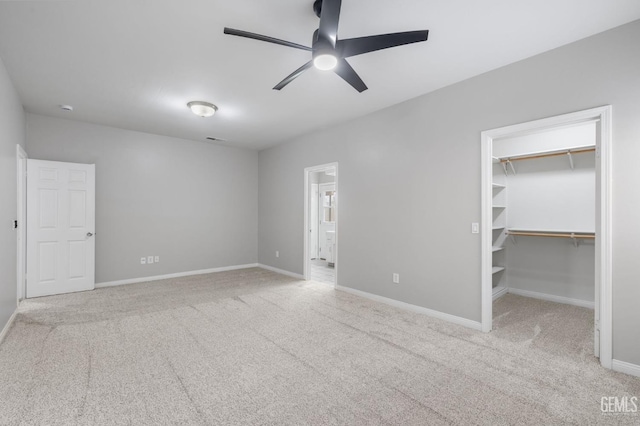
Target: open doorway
{"type": "Point", "coordinates": [321, 223]}
{"type": "Point", "coordinates": [541, 237]}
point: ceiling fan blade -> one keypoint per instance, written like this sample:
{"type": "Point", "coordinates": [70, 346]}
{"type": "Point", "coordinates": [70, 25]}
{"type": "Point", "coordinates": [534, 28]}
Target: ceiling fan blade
{"type": "Point", "coordinates": [329, 17]}
{"type": "Point", "coordinates": [357, 46]}
{"type": "Point", "coordinates": [293, 75]}
{"type": "Point", "coordinates": [348, 74]}
{"type": "Point", "coordinates": [268, 39]}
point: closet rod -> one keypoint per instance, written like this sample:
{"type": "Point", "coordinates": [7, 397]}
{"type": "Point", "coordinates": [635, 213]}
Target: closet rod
{"type": "Point", "coordinates": [547, 234]}
{"type": "Point", "coordinates": [550, 154]}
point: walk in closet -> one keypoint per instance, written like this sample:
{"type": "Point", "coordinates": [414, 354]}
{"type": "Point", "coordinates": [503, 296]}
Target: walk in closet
{"type": "Point", "coordinates": [544, 206]}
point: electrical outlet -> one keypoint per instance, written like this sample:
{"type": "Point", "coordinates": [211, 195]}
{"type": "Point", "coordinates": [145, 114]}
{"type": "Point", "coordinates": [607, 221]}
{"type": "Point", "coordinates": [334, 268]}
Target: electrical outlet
{"type": "Point", "coordinates": [475, 228]}
{"type": "Point", "coordinates": [396, 278]}
{"type": "Point", "coordinates": [277, 253]}
{"type": "Point", "coordinates": [143, 260]}
{"type": "Point", "coordinates": [157, 259]}
{"type": "Point", "coordinates": [150, 259]}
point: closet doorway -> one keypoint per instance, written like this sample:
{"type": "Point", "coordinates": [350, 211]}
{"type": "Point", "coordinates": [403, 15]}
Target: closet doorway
{"type": "Point", "coordinates": [546, 231]}
{"type": "Point", "coordinates": [321, 223]}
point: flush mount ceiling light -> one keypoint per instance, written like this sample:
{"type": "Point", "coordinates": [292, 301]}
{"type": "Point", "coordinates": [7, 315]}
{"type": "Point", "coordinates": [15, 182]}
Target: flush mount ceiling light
{"type": "Point", "coordinates": [202, 109]}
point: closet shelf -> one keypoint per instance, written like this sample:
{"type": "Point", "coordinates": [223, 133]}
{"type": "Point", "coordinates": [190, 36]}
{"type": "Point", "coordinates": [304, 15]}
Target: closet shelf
{"type": "Point", "coordinates": [496, 269]}
{"type": "Point", "coordinates": [550, 233]}
{"type": "Point", "coordinates": [574, 235]}
{"type": "Point", "coordinates": [495, 228]}
{"type": "Point", "coordinates": [499, 207]}
{"type": "Point", "coordinates": [544, 154]}
{"type": "Point", "coordinates": [496, 248]}
{"type": "Point", "coordinates": [498, 185]}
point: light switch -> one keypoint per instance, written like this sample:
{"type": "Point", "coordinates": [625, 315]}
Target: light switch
{"type": "Point", "coordinates": [150, 259]}
{"type": "Point", "coordinates": [475, 228]}
{"type": "Point", "coordinates": [143, 260]}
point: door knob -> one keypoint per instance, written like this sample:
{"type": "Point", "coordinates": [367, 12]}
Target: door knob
{"type": "Point", "coordinates": [89, 234]}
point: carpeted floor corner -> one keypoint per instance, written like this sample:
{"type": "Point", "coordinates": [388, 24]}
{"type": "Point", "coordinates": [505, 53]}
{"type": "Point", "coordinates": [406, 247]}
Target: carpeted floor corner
{"type": "Point", "coordinates": [254, 347]}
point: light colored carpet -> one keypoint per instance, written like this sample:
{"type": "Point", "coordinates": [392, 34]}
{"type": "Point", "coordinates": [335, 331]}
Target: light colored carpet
{"type": "Point", "coordinates": [254, 347]}
{"type": "Point", "coordinates": [550, 327]}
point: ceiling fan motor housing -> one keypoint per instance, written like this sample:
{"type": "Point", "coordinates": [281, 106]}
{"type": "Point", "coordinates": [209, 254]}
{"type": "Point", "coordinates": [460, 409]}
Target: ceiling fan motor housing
{"type": "Point", "coordinates": [321, 46]}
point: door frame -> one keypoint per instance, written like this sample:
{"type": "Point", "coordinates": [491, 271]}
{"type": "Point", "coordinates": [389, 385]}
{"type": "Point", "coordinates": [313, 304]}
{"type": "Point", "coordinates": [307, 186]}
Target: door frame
{"type": "Point", "coordinates": [21, 215]}
{"type": "Point", "coordinates": [603, 278]}
{"type": "Point", "coordinates": [306, 267]}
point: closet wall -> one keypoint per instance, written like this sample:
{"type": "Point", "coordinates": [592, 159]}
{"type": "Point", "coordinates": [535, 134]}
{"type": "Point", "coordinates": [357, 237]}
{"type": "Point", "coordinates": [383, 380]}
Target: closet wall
{"type": "Point", "coordinates": [554, 194]}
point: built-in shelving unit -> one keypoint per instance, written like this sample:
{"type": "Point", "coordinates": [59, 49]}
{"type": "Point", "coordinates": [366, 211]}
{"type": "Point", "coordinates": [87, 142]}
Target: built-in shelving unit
{"type": "Point", "coordinates": [499, 207]}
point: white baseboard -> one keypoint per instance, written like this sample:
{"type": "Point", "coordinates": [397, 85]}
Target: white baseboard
{"type": "Point", "coordinates": [7, 326]}
{"type": "Point", "coordinates": [413, 308]}
{"type": "Point", "coordinates": [281, 271]}
{"type": "Point", "coordinates": [501, 292]}
{"type": "Point", "coordinates": [176, 275]}
{"type": "Point", "coordinates": [625, 367]}
{"type": "Point", "coordinates": [552, 298]}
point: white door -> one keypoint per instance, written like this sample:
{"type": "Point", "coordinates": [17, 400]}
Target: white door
{"type": "Point", "coordinates": [60, 227]}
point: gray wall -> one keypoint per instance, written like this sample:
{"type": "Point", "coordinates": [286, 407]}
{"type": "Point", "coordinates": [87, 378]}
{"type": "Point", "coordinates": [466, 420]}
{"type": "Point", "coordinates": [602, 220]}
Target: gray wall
{"type": "Point", "coordinates": [12, 132]}
{"type": "Point", "coordinates": [409, 179]}
{"type": "Point", "coordinates": [193, 204]}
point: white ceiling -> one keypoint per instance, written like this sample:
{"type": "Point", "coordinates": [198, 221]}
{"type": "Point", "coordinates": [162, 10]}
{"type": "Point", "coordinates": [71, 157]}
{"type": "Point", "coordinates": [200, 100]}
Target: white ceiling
{"type": "Point", "coordinates": [134, 64]}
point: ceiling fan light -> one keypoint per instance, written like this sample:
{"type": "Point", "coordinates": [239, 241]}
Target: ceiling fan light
{"type": "Point", "coordinates": [202, 109]}
{"type": "Point", "coordinates": [325, 62]}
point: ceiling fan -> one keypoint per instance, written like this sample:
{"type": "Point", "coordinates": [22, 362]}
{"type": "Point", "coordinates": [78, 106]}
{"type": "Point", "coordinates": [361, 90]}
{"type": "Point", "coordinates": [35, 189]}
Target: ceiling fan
{"type": "Point", "coordinates": [330, 53]}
